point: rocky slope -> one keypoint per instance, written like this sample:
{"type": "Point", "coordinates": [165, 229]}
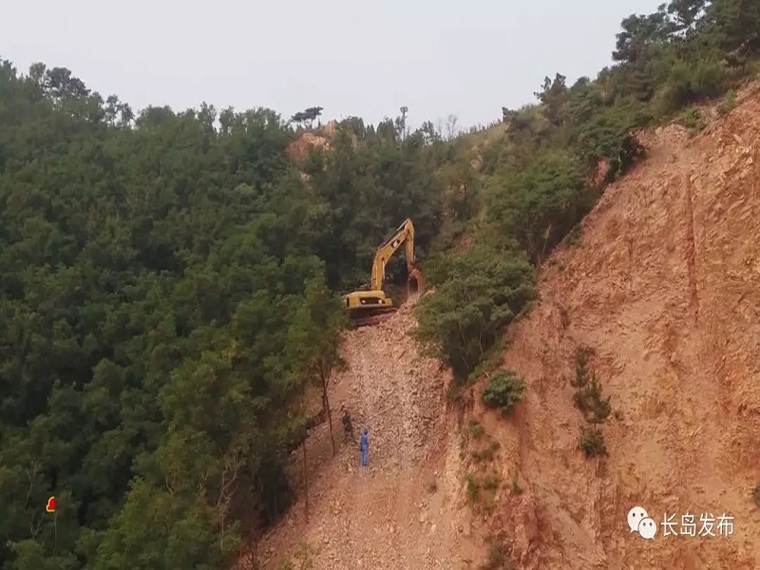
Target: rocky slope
{"type": "Point", "coordinates": [406, 510]}
{"type": "Point", "coordinates": [665, 287]}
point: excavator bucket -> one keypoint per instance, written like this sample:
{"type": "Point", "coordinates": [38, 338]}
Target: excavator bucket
{"type": "Point", "coordinates": [415, 283]}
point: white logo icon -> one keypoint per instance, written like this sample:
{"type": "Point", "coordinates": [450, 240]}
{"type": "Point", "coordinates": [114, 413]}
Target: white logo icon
{"type": "Point", "coordinates": [647, 528]}
{"type": "Point", "coordinates": [639, 521]}
{"type": "Point", "coordinates": [635, 516]}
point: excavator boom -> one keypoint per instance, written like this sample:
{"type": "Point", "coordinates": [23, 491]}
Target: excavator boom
{"type": "Point", "coordinates": [366, 306]}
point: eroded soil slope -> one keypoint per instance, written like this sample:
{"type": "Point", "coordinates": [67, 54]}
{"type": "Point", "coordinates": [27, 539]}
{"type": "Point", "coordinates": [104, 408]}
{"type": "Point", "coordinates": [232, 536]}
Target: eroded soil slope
{"type": "Point", "coordinates": [665, 287]}
{"type": "Point", "coordinates": [402, 513]}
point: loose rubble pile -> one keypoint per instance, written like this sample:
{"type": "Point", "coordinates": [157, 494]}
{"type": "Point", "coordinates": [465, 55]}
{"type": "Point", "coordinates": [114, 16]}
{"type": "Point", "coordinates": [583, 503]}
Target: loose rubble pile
{"type": "Point", "coordinates": [400, 512]}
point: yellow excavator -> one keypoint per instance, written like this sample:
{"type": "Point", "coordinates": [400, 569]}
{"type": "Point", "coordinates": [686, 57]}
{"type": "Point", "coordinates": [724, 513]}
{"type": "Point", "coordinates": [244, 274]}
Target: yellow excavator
{"type": "Point", "coordinates": [369, 307]}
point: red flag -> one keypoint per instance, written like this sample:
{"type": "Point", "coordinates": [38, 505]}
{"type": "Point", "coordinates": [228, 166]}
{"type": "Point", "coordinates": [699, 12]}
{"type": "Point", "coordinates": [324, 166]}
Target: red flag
{"type": "Point", "coordinates": [50, 507]}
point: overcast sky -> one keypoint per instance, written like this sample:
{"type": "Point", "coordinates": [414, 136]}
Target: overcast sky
{"type": "Point", "coordinates": [352, 57]}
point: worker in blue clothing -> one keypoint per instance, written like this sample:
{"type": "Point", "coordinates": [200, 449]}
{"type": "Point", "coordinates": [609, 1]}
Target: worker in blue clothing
{"type": "Point", "coordinates": [364, 446]}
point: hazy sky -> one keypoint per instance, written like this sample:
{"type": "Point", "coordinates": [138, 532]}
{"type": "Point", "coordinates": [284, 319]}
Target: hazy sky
{"type": "Point", "coordinates": [437, 57]}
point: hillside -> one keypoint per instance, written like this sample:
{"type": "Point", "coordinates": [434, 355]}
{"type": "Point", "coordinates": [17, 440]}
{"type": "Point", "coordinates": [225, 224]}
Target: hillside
{"type": "Point", "coordinates": [402, 511]}
{"type": "Point", "coordinates": [173, 336]}
{"type": "Point", "coordinates": [665, 288]}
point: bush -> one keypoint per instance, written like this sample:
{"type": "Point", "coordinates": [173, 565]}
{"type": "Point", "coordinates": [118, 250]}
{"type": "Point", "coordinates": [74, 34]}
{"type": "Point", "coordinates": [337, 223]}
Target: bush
{"type": "Point", "coordinates": [503, 391]}
{"type": "Point", "coordinates": [498, 556]}
{"type": "Point", "coordinates": [588, 396]}
{"type": "Point", "coordinates": [689, 82]}
{"type": "Point", "coordinates": [591, 441]}
{"type": "Point", "coordinates": [607, 136]}
{"type": "Point", "coordinates": [728, 103]}
{"type": "Point", "coordinates": [483, 290]}
{"type": "Point", "coordinates": [473, 489]}
{"type": "Point", "coordinates": [475, 429]}
{"type": "Point", "coordinates": [589, 400]}
{"type": "Point", "coordinates": [693, 120]}
{"type": "Point", "coordinates": [540, 205]}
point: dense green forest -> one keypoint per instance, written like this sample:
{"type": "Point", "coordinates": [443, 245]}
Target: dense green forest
{"type": "Point", "coordinates": [167, 278]}
{"type": "Point", "coordinates": [165, 283]}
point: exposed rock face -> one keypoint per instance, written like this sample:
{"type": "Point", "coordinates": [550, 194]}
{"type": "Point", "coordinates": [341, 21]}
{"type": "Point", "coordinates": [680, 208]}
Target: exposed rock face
{"type": "Point", "coordinates": [666, 288]}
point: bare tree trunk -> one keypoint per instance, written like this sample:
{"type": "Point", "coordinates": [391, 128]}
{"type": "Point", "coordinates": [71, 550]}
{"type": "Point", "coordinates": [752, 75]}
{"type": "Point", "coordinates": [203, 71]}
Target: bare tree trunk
{"type": "Point", "coordinates": [221, 537]}
{"type": "Point", "coordinates": [306, 479]}
{"type": "Point", "coordinates": [253, 544]}
{"type": "Point", "coordinates": [253, 548]}
{"type": "Point", "coordinates": [546, 236]}
{"type": "Point", "coordinates": [326, 407]}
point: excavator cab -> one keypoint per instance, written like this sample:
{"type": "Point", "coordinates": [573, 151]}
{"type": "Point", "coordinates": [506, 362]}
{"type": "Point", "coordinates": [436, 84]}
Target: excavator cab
{"type": "Point", "coordinates": [374, 305]}
{"type": "Point", "coordinates": [367, 299]}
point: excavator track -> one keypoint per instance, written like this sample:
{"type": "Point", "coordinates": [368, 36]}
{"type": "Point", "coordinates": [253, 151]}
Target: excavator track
{"type": "Point", "coordinates": [370, 320]}
{"type": "Point", "coordinates": [371, 316]}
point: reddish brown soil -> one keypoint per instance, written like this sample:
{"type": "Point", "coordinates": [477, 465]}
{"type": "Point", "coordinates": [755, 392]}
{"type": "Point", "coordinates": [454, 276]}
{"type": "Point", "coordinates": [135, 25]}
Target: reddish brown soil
{"type": "Point", "coordinates": [665, 286]}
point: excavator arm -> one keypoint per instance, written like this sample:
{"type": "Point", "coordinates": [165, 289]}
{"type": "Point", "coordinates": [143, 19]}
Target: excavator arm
{"type": "Point", "coordinates": [403, 235]}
